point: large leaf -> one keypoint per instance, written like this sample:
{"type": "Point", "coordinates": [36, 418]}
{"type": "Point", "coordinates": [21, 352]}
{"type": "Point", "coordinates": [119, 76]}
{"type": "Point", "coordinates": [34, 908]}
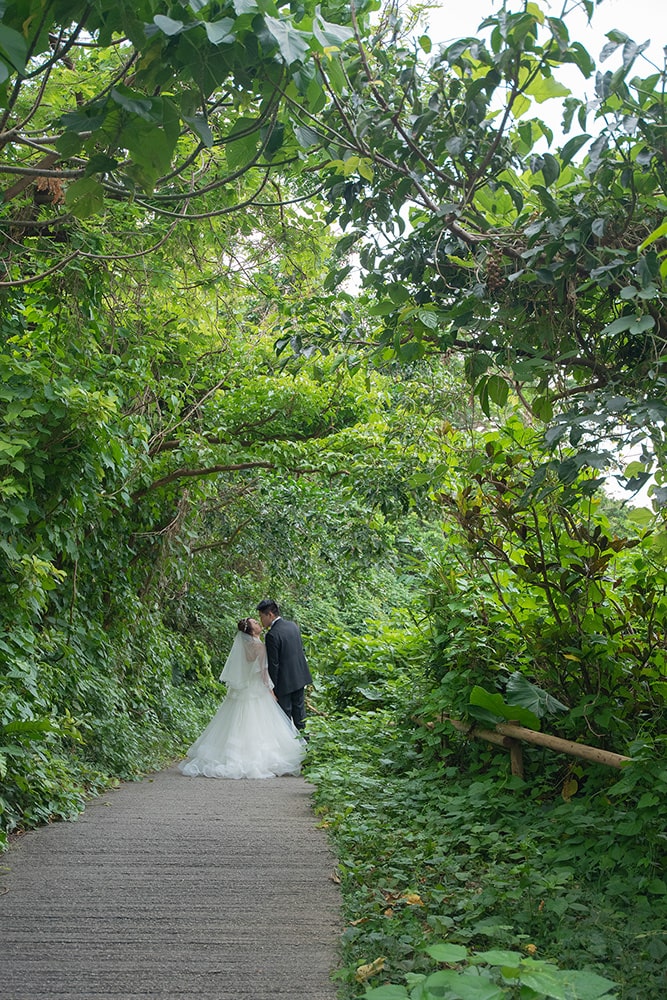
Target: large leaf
{"type": "Point", "coordinates": [291, 42]}
{"type": "Point", "coordinates": [219, 32]}
{"type": "Point", "coordinates": [152, 143]}
{"type": "Point", "coordinates": [85, 197]}
{"type": "Point", "coordinates": [508, 959]}
{"type": "Point", "coordinates": [569, 984]}
{"type": "Point", "coordinates": [585, 985]}
{"type": "Point", "coordinates": [521, 692]}
{"type": "Point", "coordinates": [330, 35]}
{"type": "Point", "coordinates": [28, 727]}
{"type": "Point", "coordinates": [13, 46]}
{"type": "Point", "coordinates": [135, 103]}
{"type": "Point", "coordinates": [199, 125]}
{"type": "Point", "coordinates": [463, 986]}
{"type": "Point", "coordinates": [242, 150]}
{"type": "Point", "coordinates": [572, 147]}
{"type": "Point", "coordinates": [445, 952]}
{"type": "Point", "coordinates": [494, 709]}
{"type": "Point", "coordinates": [168, 25]}
{"type": "Point", "coordinates": [307, 137]}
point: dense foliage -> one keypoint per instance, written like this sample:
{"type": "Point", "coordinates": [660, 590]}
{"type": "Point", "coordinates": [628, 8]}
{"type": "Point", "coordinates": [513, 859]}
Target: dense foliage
{"type": "Point", "coordinates": [460, 881]}
{"type": "Point", "coordinates": [149, 448]}
{"type": "Point", "coordinates": [205, 399]}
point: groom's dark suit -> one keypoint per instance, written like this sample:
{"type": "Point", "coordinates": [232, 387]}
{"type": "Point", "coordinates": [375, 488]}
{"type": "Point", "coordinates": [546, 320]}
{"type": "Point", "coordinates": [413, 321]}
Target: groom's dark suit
{"type": "Point", "coordinates": [288, 668]}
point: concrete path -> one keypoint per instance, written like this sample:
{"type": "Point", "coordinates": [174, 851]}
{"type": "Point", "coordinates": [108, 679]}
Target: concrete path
{"type": "Point", "coordinates": [173, 887]}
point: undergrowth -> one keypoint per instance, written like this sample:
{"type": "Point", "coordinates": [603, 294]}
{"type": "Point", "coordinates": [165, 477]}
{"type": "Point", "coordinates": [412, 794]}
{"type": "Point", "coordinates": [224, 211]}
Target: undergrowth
{"type": "Point", "coordinates": [79, 716]}
{"type": "Point", "coordinates": [439, 845]}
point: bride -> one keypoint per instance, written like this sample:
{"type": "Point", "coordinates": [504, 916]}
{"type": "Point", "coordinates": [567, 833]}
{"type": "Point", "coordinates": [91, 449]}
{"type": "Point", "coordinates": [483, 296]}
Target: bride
{"type": "Point", "coordinates": [249, 736]}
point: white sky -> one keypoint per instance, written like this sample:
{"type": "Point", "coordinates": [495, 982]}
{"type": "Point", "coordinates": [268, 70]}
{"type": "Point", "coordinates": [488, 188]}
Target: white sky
{"type": "Point", "coordinates": [639, 19]}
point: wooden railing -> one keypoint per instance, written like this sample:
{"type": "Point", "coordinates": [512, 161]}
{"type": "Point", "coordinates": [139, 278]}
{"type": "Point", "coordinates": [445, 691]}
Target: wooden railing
{"type": "Point", "coordinates": [510, 735]}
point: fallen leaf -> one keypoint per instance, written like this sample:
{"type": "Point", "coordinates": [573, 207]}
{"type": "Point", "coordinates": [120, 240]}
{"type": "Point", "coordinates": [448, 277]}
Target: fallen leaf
{"type": "Point", "coordinates": [570, 788]}
{"type": "Point", "coordinates": [365, 972]}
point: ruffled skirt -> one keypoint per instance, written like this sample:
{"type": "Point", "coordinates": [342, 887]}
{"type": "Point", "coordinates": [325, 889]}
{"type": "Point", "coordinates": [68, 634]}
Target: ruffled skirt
{"type": "Point", "coordinates": [248, 737]}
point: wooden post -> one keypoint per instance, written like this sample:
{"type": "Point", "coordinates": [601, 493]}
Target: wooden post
{"type": "Point", "coordinates": [516, 758]}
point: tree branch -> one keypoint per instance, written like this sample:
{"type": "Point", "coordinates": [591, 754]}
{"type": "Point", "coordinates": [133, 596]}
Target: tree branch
{"type": "Point", "coordinates": [186, 473]}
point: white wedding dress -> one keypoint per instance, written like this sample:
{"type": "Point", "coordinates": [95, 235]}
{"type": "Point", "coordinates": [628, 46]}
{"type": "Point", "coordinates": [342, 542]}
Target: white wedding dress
{"type": "Point", "coordinates": [249, 736]}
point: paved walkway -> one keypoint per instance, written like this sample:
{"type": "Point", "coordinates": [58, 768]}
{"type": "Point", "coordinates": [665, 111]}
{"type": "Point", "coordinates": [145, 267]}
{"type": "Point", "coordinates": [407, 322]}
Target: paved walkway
{"type": "Point", "coordinates": [173, 887]}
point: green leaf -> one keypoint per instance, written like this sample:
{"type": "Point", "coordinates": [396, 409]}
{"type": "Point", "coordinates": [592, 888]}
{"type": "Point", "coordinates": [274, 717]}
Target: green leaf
{"type": "Point", "coordinates": [521, 105]}
{"type": "Point", "coordinates": [494, 705]}
{"type": "Point", "coordinates": [384, 308]}
{"type": "Point", "coordinates": [618, 325]}
{"type": "Point", "coordinates": [240, 152]}
{"type": "Point", "coordinates": [199, 125]}
{"type": "Point", "coordinates": [498, 390]}
{"type": "Point", "coordinates": [550, 168]}
{"type": "Point", "coordinates": [445, 952]}
{"type": "Point", "coordinates": [307, 137]}
{"type": "Point", "coordinates": [545, 984]}
{"type": "Point", "coordinates": [292, 44]}
{"type": "Point", "coordinates": [566, 984]}
{"type": "Point", "coordinates": [135, 103]}
{"type": "Point", "coordinates": [14, 47]}
{"type": "Point", "coordinates": [543, 408]}
{"type": "Point", "coordinates": [219, 32]}
{"type": "Point", "coordinates": [655, 235]}
{"type": "Point", "coordinates": [463, 986]}
{"type": "Point", "coordinates": [398, 293]}
{"type": "Point", "coordinates": [168, 25]}
{"type": "Point", "coordinates": [508, 959]}
{"type": "Point", "coordinates": [388, 992]}
{"type": "Point", "coordinates": [581, 58]}
{"type": "Point", "coordinates": [429, 318]}
{"type": "Point", "coordinates": [330, 35]}
{"type": "Point", "coordinates": [643, 516]}
{"type": "Point", "coordinates": [543, 88]}
{"type": "Point", "coordinates": [79, 121]}
{"type": "Point", "coordinates": [635, 323]}
{"type": "Point", "coordinates": [29, 727]}
{"type": "Point", "coordinates": [151, 143]}
{"type": "Point", "coordinates": [585, 985]}
{"type": "Point", "coordinates": [85, 197]}
{"type": "Point", "coordinates": [101, 164]}
{"type": "Point", "coordinates": [482, 393]}
{"type": "Point", "coordinates": [521, 692]}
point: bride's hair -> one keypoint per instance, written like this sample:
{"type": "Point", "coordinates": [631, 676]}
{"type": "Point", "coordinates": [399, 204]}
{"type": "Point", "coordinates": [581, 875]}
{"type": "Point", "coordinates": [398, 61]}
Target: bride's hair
{"type": "Point", "coordinates": [244, 626]}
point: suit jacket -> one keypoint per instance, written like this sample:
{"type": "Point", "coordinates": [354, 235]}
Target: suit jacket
{"type": "Point", "coordinates": [288, 667]}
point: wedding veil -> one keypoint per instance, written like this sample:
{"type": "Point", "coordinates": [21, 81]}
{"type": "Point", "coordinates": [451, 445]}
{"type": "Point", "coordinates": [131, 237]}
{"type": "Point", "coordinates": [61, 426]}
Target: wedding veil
{"type": "Point", "coordinates": [243, 661]}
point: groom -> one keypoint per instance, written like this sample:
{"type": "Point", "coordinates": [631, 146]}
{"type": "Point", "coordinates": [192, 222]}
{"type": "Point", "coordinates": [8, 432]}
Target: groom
{"type": "Point", "coordinates": [288, 668]}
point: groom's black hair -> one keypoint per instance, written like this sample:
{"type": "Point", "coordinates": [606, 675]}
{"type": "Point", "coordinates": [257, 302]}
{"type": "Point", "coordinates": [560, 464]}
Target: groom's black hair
{"type": "Point", "coordinates": [268, 605]}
